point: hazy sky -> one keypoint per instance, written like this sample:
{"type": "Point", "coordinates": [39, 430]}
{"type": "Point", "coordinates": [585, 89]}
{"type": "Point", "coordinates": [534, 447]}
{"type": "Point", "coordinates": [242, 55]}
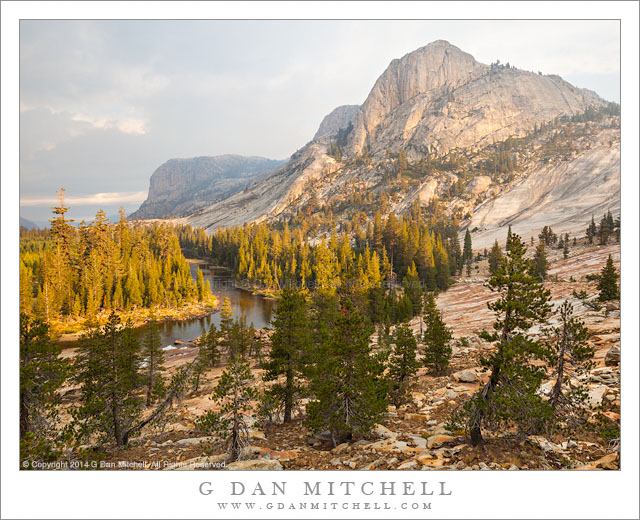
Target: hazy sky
{"type": "Point", "coordinates": [104, 103]}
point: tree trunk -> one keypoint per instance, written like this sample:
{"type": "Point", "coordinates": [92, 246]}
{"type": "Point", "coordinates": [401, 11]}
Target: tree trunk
{"type": "Point", "coordinates": [24, 416]}
{"type": "Point", "coordinates": [556, 392]}
{"type": "Point", "coordinates": [288, 398]}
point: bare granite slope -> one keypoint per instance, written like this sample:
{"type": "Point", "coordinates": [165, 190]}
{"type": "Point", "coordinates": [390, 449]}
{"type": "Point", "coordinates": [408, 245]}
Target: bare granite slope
{"type": "Point", "coordinates": [563, 196]}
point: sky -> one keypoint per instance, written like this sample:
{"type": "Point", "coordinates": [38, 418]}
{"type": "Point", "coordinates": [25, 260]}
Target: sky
{"type": "Point", "coordinates": [104, 103]}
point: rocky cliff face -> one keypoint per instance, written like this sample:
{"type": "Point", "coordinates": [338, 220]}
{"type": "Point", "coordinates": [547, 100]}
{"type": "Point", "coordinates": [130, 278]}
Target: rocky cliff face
{"type": "Point", "coordinates": [433, 100]}
{"type": "Point", "coordinates": [438, 97]}
{"type": "Point", "coordinates": [339, 118]}
{"type": "Point", "coordinates": [182, 186]}
{"type": "Point", "coordinates": [270, 196]}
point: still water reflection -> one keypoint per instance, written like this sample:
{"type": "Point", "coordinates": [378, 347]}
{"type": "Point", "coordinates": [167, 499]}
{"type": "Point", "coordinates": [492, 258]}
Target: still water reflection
{"type": "Point", "coordinates": [257, 309]}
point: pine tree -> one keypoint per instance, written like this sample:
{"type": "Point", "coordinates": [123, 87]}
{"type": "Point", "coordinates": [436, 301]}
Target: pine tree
{"type": "Point", "coordinates": [233, 395]}
{"type": "Point", "coordinates": [509, 234]}
{"type": "Point", "coordinates": [349, 391]}
{"type": "Point", "coordinates": [565, 251]}
{"type": "Point", "coordinates": [592, 230]}
{"type": "Point", "coordinates": [495, 258]}
{"type": "Point", "coordinates": [154, 359]}
{"type": "Point", "coordinates": [226, 324]}
{"type": "Point", "coordinates": [467, 252]}
{"type": "Point", "coordinates": [569, 349]}
{"type": "Point", "coordinates": [413, 289]}
{"type": "Point", "coordinates": [437, 338]}
{"type": "Point", "coordinates": [26, 290]}
{"type": "Point", "coordinates": [403, 364]}
{"type": "Point", "coordinates": [608, 282]}
{"type": "Point", "coordinates": [539, 265]}
{"type": "Point", "coordinates": [510, 397]}
{"type": "Point", "coordinates": [547, 236]}
{"type": "Point", "coordinates": [42, 372]}
{"type": "Point", "coordinates": [62, 235]}
{"type": "Point", "coordinates": [209, 346]}
{"type": "Point", "coordinates": [107, 371]}
{"type": "Point", "coordinates": [290, 344]}
{"type": "Point", "coordinates": [200, 285]}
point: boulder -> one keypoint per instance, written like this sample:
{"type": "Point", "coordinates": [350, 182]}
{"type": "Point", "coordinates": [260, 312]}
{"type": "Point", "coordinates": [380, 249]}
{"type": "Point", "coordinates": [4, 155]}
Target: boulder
{"type": "Point", "coordinates": [612, 357]}
{"type": "Point", "coordinates": [384, 432]}
{"type": "Point", "coordinates": [255, 464]}
{"type": "Point", "coordinates": [596, 394]}
{"type": "Point", "coordinates": [436, 440]}
{"type": "Point", "coordinates": [466, 376]}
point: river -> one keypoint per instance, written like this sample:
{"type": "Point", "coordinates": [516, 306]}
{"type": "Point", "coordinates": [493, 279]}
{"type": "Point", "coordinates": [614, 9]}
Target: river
{"type": "Point", "coordinates": [258, 310]}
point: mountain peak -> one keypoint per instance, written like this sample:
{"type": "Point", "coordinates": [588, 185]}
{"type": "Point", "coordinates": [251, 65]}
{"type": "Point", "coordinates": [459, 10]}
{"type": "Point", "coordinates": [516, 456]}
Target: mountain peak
{"type": "Point", "coordinates": [439, 96]}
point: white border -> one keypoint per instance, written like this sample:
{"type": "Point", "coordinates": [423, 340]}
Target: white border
{"type": "Point", "coordinates": [476, 495]}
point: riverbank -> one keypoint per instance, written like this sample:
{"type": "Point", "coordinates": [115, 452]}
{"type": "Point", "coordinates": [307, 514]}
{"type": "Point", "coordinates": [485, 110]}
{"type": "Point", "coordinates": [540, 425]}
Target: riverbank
{"type": "Point", "coordinates": [71, 330]}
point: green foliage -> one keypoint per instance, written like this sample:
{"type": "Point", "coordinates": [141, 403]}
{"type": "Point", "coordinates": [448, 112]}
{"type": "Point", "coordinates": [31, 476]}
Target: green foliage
{"type": "Point", "coordinates": [437, 338]}
{"type": "Point", "coordinates": [106, 368]}
{"type": "Point", "coordinates": [77, 272]}
{"type": "Point", "coordinates": [495, 258]}
{"type": "Point", "coordinates": [42, 372]}
{"type": "Point", "coordinates": [233, 395]}
{"type": "Point", "coordinates": [347, 385]}
{"type": "Point", "coordinates": [570, 356]}
{"type": "Point", "coordinates": [273, 258]}
{"type": "Point", "coordinates": [210, 347]}
{"type": "Point", "coordinates": [402, 364]}
{"type": "Point", "coordinates": [413, 290]}
{"type": "Point", "coordinates": [608, 282]}
{"type": "Point", "coordinates": [154, 360]}
{"type": "Point", "coordinates": [290, 345]}
{"type": "Point", "coordinates": [539, 265]}
{"type": "Point", "coordinates": [547, 236]}
{"type": "Point", "coordinates": [510, 397]}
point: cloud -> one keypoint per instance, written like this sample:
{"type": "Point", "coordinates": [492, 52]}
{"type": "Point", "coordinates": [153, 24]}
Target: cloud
{"type": "Point", "coordinates": [124, 125]}
{"type": "Point", "coordinates": [95, 199]}
{"type": "Point", "coordinates": [104, 103]}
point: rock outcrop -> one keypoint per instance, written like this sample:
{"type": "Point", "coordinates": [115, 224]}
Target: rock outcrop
{"type": "Point", "coordinates": [433, 100]}
{"type": "Point", "coordinates": [182, 186]}
{"type": "Point", "coordinates": [336, 120]}
{"type": "Point", "coordinates": [439, 97]}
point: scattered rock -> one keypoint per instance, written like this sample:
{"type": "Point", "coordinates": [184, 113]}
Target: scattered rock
{"type": "Point", "coordinates": [483, 467]}
{"type": "Point", "coordinates": [195, 441]}
{"type": "Point", "coordinates": [372, 465]}
{"type": "Point", "coordinates": [612, 357]}
{"type": "Point", "coordinates": [410, 464]}
{"type": "Point", "coordinates": [341, 448]}
{"type": "Point", "coordinates": [255, 464]}
{"type": "Point", "coordinates": [416, 417]}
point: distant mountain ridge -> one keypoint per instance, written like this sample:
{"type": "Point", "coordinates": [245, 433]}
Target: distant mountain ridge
{"type": "Point", "coordinates": [181, 186]}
